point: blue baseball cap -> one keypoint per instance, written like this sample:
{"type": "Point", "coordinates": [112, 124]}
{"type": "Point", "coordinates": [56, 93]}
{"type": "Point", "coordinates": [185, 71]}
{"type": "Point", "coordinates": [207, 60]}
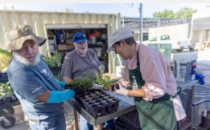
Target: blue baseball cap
{"type": "Point", "coordinates": [79, 37]}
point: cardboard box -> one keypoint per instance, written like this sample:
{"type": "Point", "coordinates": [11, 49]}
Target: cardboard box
{"type": "Point", "coordinates": [70, 46]}
{"type": "Point", "coordinates": [70, 42]}
{"type": "Point", "coordinates": [62, 47]}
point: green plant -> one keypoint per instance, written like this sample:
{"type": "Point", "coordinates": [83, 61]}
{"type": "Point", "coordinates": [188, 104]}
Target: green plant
{"type": "Point", "coordinates": [5, 90]}
{"type": "Point", "coordinates": [82, 82]}
{"type": "Point", "coordinates": [105, 81]}
{"type": "Point", "coordinates": [5, 57]}
{"type": "Point", "coordinates": [54, 60]}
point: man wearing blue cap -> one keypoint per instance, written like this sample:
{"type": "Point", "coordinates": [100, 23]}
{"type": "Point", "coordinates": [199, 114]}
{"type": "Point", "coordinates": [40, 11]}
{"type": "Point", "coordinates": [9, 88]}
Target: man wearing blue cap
{"type": "Point", "coordinates": [79, 62]}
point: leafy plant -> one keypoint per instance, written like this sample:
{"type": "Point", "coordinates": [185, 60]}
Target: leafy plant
{"type": "Point", "coordinates": [5, 90]}
{"type": "Point", "coordinates": [5, 58]}
{"type": "Point", "coordinates": [105, 81]}
{"type": "Point", "coordinates": [83, 82]}
{"type": "Point", "coordinates": [54, 60]}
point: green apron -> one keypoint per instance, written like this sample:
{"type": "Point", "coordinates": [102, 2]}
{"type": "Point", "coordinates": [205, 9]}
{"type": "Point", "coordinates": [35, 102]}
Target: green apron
{"type": "Point", "coordinates": [157, 114]}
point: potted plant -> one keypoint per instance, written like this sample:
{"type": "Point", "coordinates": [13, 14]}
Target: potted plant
{"type": "Point", "coordinates": [5, 58]}
{"type": "Point", "coordinates": [106, 81]}
{"type": "Point", "coordinates": [5, 92]}
{"type": "Point", "coordinates": [53, 62]}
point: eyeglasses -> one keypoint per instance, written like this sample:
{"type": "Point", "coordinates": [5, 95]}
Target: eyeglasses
{"type": "Point", "coordinates": [113, 49]}
{"type": "Point", "coordinates": [80, 36]}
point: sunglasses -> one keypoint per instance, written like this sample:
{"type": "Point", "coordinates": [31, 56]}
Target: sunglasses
{"type": "Point", "coordinates": [80, 36]}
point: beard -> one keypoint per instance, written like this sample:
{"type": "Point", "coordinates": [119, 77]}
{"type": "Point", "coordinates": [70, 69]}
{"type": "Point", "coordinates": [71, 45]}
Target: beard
{"type": "Point", "coordinates": [81, 50]}
{"type": "Point", "coordinates": [23, 60]}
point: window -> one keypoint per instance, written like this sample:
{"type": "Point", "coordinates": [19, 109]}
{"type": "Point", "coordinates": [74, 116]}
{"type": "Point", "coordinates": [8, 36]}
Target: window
{"type": "Point", "coordinates": [164, 37]}
{"type": "Point", "coordinates": [154, 39]}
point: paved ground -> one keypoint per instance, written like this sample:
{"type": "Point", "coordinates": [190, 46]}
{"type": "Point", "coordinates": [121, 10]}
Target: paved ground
{"type": "Point", "coordinates": [21, 119]}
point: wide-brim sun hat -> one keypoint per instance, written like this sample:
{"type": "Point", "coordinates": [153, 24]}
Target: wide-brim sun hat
{"type": "Point", "coordinates": [19, 34]}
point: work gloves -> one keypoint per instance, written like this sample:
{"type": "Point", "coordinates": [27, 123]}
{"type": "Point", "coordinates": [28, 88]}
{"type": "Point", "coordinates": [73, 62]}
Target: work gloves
{"type": "Point", "coordinates": [122, 90]}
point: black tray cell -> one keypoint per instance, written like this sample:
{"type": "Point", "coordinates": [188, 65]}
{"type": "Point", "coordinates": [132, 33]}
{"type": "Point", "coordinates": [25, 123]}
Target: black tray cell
{"type": "Point", "coordinates": [98, 102]}
{"type": "Point", "coordinates": [95, 110]}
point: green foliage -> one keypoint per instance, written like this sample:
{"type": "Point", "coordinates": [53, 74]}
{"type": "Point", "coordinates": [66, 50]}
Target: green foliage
{"type": "Point", "coordinates": [85, 83]}
{"type": "Point", "coordinates": [54, 60]}
{"type": "Point", "coordinates": [182, 13]}
{"type": "Point", "coordinates": [165, 14]}
{"type": "Point", "coordinates": [5, 57]}
{"type": "Point", "coordinates": [105, 82]}
{"type": "Point", "coordinates": [185, 13]}
{"type": "Point", "coordinates": [5, 90]}
{"type": "Point", "coordinates": [69, 10]}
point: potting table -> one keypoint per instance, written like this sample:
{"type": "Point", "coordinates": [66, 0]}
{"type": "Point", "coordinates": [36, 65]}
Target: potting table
{"type": "Point", "coordinates": [126, 105]}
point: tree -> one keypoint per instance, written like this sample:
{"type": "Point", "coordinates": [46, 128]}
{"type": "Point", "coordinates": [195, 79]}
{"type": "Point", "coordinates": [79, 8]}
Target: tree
{"type": "Point", "coordinates": [69, 10]}
{"type": "Point", "coordinates": [156, 15]}
{"type": "Point", "coordinates": [5, 8]}
{"type": "Point", "coordinates": [185, 13]}
{"type": "Point", "coordinates": [165, 14]}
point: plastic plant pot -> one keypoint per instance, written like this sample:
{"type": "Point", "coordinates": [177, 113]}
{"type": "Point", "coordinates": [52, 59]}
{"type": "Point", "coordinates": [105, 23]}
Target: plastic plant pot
{"type": "Point", "coordinates": [99, 100]}
{"type": "Point", "coordinates": [205, 122]}
{"type": "Point", "coordinates": [89, 107]}
{"type": "Point", "coordinates": [101, 96]}
{"type": "Point", "coordinates": [95, 110]}
{"type": "Point", "coordinates": [116, 104]}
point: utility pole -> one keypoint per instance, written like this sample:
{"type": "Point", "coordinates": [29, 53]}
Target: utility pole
{"type": "Point", "coordinates": [140, 23]}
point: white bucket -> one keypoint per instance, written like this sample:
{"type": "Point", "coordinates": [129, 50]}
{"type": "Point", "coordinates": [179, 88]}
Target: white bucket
{"type": "Point", "coordinates": [119, 71]}
{"type": "Point", "coordinates": [98, 52]}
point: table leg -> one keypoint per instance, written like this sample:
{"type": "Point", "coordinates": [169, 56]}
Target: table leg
{"type": "Point", "coordinates": [76, 120]}
{"type": "Point", "coordinates": [192, 108]}
{"type": "Point", "coordinates": [100, 127]}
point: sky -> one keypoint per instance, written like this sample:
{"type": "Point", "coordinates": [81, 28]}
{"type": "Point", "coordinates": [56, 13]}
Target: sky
{"type": "Point", "coordinates": [125, 9]}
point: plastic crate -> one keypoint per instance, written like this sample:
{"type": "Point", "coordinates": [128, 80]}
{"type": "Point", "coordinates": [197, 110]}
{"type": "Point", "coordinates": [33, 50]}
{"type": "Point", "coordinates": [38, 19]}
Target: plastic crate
{"type": "Point", "coordinates": [131, 119]}
{"type": "Point", "coordinates": [98, 102]}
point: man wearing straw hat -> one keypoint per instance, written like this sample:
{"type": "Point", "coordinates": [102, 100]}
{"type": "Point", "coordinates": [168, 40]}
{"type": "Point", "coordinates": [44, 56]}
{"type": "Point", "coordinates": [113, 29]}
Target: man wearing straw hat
{"type": "Point", "coordinates": [39, 93]}
{"type": "Point", "coordinates": [154, 88]}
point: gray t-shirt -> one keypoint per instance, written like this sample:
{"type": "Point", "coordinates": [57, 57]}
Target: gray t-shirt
{"type": "Point", "coordinates": [75, 66]}
{"type": "Point", "coordinates": [30, 82]}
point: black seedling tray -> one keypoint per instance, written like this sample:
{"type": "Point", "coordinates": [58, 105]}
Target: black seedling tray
{"type": "Point", "coordinates": [98, 103]}
{"type": "Point", "coordinates": [131, 119]}
{"type": "Point", "coordinates": [8, 100]}
{"type": "Point", "coordinates": [3, 77]}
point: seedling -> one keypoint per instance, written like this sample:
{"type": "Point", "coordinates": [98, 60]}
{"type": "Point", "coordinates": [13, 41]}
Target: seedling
{"type": "Point", "coordinates": [82, 82]}
{"type": "Point", "coordinates": [105, 82]}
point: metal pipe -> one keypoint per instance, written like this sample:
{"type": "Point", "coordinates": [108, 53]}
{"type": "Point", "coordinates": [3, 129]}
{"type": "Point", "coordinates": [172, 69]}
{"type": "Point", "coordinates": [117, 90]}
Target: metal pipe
{"type": "Point", "coordinates": [76, 120]}
{"type": "Point", "coordinates": [140, 23]}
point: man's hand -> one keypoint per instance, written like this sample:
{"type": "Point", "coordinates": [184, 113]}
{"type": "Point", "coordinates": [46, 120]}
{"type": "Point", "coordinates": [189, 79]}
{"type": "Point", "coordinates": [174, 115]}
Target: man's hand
{"type": "Point", "coordinates": [96, 86]}
{"type": "Point", "coordinates": [122, 90]}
